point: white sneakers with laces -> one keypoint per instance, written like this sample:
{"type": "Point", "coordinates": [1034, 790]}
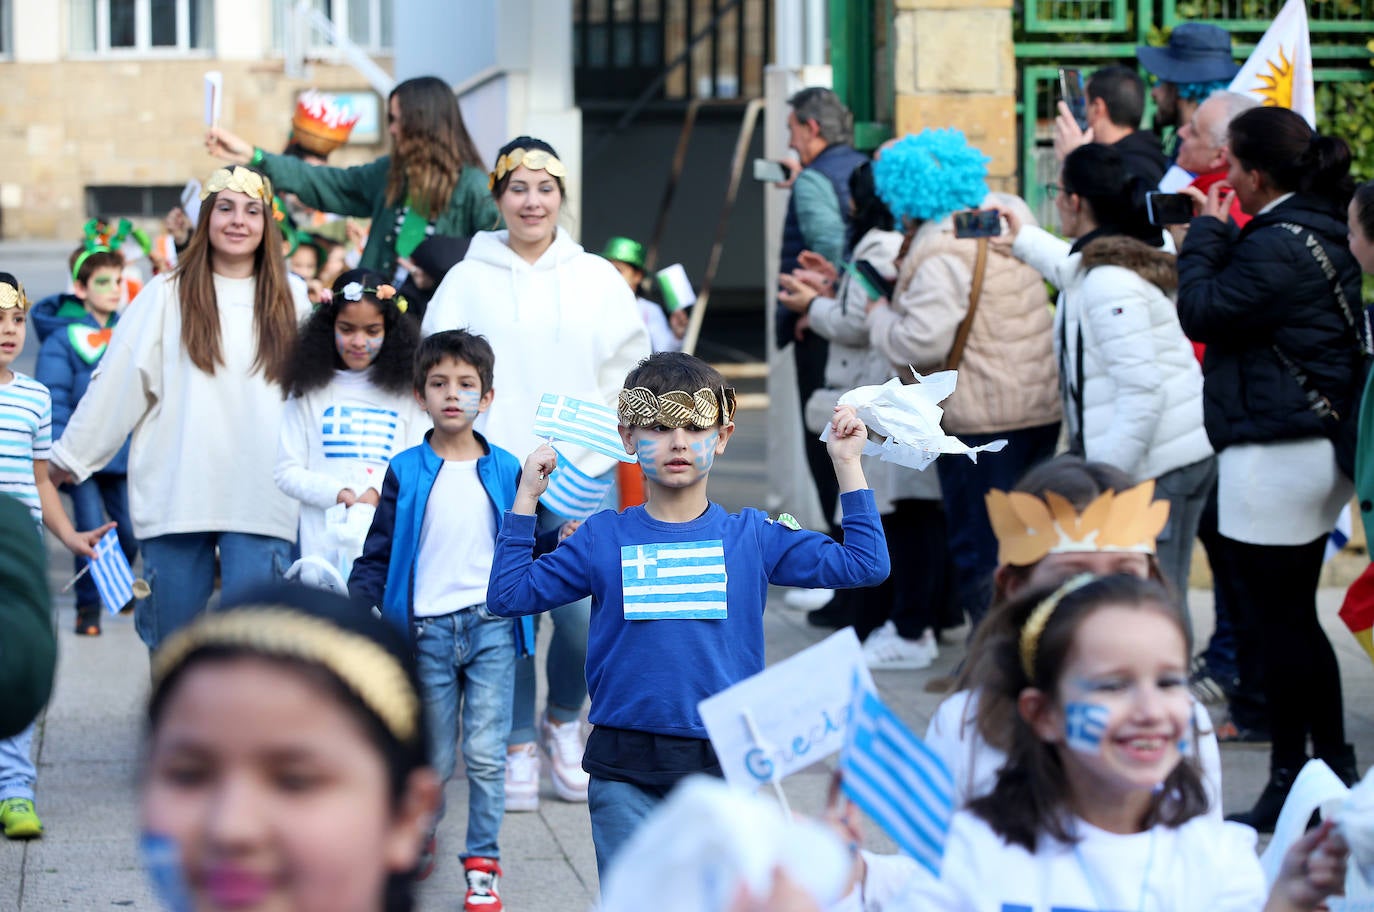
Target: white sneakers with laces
{"type": "Point", "coordinates": [807, 599]}
{"type": "Point", "coordinates": [522, 778]}
{"type": "Point", "coordinates": [885, 650]}
{"type": "Point", "coordinates": [563, 743]}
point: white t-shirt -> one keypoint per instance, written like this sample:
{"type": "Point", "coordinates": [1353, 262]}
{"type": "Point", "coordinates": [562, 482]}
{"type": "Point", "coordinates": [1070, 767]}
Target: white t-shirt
{"type": "Point", "coordinates": [1203, 865]}
{"type": "Point", "coordinates": [1284, 492]}
{"type": "Point", "coordinates": [974, 764]}
{"type": "Point", "coordinates": [457, 541]}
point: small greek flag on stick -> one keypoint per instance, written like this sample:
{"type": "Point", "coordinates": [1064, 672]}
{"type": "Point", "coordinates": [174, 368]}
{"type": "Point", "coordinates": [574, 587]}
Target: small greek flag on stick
{"type": "Point", "coordinates": [682, 580]}
{"type": "Point", "coordinates": [587, 424]}
{"type": "Point", "coordinates": [572, 493]}
{"type": "Point", "coordinates": [110, 570]}
{"type": "Point", "coordinates": [898, 781]}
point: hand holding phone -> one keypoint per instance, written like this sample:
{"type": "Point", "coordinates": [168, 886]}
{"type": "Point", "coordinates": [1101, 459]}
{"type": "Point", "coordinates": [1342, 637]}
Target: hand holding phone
{"type": "Point", "coordinates": [769, 171]}
{"type": "Point", "coordinates": [978, 223]}
{"type": "Point", "coordinates": [1164, 209]}
{"type": "Point", "coordinates": [1071, 91]}
{"type": "Point", "coordinates": [874, 283]}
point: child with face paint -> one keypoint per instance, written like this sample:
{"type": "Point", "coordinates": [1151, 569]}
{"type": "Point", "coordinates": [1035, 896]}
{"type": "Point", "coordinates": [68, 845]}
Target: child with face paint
{"type": "Point", "coordinates": [425, 564]}
{"type": "Point", "coordinates": [678, 586]}
{"type": "Point", "coordinates": [286, 765]}
{"type": "Point", "coordinates": [1099, 806]}
{"type": "Point", "coordinates": [351, 408]}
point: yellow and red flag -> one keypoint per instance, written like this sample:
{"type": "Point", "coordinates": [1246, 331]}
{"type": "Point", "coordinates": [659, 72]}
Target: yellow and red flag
{"type": "Point", "coordinates": [1357, 611]}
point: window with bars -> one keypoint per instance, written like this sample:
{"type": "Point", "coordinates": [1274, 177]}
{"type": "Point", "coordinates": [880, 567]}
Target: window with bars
{"type": "Point", "coordinates": [367, 23]}
{"type": "Point", "coordinates": [142, 26]}
{"type": "Point", "coordinates": [128, 201]}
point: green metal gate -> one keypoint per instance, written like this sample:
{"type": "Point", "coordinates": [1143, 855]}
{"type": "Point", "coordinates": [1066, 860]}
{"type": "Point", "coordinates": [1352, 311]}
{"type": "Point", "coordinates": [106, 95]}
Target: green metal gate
{"type": "Point", "coordinates": [1092, 33]}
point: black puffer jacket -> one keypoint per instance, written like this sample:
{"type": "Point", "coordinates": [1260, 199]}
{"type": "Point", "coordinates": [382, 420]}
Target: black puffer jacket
{"type": "Point", "coordinates": [1243, 293]}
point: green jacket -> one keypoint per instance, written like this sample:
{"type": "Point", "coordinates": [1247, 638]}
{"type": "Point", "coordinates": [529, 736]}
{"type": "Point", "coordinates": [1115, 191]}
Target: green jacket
{"type": "Point", "coordinates": [28, 648]}
{"type": "Point", "coordinates": [360, 191]}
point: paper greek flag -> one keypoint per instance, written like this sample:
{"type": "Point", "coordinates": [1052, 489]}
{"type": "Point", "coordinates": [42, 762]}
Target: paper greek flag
{"type": "Point", "coordinates": [898, 781]}
{"type": "Point", "coordinates": [572, 493]}
{"type": "Point", "coordinates": [359, 432]}
{"type": "Point", "coordinates": [110, 572]}
{"type": "Point", "coordinates": [682, 580]}
{"type": "Point", "coordinates": [587, 424]}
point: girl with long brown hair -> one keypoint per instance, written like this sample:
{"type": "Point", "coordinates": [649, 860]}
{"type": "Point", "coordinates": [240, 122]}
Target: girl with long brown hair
{"type": "Point", "coordinates": [195, 370]}
{"type": "Point", "coordinates": [433, 183]}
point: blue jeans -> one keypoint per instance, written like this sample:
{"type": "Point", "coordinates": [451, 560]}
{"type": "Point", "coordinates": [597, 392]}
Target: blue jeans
{"type": "Point", "coordinates": [466, 663]}
{"type": "Point", "coordinates": [964, 485]}
{"type": "Point", "coordinates": [180, 570]}
{"type": "Point", "coordinates": [95, 498]}
{"type": "Point", "coordinates": [17, 772]}
{"type": "Point", "coordinates": [617, 809]}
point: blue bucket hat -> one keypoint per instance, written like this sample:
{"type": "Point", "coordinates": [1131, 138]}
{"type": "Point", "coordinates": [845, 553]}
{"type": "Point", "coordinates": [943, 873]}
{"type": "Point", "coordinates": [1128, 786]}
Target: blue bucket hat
{"type": "Point", "coordinates": [1195, 53]}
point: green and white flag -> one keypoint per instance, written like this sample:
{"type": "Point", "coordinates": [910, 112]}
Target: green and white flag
{"type": "Point", "coordinates": [677, 288]}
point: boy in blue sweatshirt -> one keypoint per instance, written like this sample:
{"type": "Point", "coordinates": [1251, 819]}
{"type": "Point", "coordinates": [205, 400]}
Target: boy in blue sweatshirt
{"type": "Point", "coordinates": [678, 585]}
{"type": "Point", "coordinates": [425, 564]}
{"type": "Point", "coordinates": [74, 331]}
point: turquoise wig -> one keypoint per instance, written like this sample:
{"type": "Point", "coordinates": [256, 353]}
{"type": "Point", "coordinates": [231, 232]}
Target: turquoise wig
{"type": "Point", "coordinates": [930, 174]}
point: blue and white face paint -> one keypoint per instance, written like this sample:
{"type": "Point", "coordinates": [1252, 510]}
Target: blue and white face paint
{"type": "Point", "coordinates": [161, 858]}
{"type": "Point", "coordinates": [1085, 725]}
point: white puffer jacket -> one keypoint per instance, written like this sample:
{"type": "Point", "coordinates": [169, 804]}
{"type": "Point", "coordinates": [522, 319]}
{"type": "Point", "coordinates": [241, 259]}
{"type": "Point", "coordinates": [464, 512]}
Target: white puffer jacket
{"type": "Point", "coordinates": [1141, 393]}
{"type": "Point", "coordinates": [852, 363]}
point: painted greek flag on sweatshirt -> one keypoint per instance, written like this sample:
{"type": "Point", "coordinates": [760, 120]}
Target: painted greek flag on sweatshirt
{"type": "Point", "coordinates": [679, 580]}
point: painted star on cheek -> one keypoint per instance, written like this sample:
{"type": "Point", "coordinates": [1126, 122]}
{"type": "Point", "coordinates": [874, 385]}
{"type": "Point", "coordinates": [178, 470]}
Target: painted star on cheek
{"type": "Point", "coordinates": [1084, 726]}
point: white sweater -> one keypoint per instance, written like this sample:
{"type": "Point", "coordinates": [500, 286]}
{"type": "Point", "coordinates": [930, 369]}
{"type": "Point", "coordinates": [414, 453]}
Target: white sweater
{"type": "Point", "coordinates": [203, 445]}
{"type": "Point", "coordinates": [342, 436]}
{"type": "Point", "coordinates": [565, 324]}
{"type": "Point", "coordinates": [1142, 386]}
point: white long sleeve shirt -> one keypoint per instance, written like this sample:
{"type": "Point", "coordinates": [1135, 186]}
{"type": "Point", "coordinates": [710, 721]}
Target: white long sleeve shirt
{"type": "Point", "coordinates": [204, 445]}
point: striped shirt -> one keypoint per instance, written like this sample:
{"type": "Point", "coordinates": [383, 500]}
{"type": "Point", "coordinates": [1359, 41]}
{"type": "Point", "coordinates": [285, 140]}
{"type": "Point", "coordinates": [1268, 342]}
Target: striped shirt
{"type": "Point", "coordinates": [25, 435]}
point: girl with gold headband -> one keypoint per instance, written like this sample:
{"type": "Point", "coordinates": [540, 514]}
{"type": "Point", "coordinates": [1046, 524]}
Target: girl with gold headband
{"type": "Point", "coordinates": [432, 183]}
{"type": "Point", "coordinates": [561, 320]}
{"type": "Point", "coordinates": [195, 369]}
{"type": "Point", "coordinates": [1099, 805]}
{"type": "Point", "coordinates": [337, 825]}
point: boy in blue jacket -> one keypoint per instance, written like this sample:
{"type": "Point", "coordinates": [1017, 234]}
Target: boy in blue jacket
{"type": "Point", "coordinates": [678, 585]}
{"type": "Point", "coordinates": [75, 332]}
{"type": "Point", "coordinates": [425, 563]}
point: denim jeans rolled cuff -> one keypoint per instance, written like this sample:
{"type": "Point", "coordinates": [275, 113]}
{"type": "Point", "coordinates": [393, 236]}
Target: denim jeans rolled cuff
{"type": "Point", "coordinates": [17, 772]}
{"type": "Point", "coordinates": [617, 809]}
{"type": "Point", "coordinates": [467, 659]}
{"type": "Point", "coordinates": [180, 570]}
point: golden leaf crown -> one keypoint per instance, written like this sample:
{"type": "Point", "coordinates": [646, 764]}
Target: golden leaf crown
{"type": "Point", "coordinates": [361, 664]}
{"type": "Point", "coordinates": [1035, 624]}
{"type": "Point", "coordinates": [244, 180]}
{"type": "Point", "coordinates": [534, 159]}
{"type": "Point", "coordinates": [12, 296]}
{"type": "Point", "coordinates": [641, 407]}
{"type": "Point", "coordinates": [1028, 527]}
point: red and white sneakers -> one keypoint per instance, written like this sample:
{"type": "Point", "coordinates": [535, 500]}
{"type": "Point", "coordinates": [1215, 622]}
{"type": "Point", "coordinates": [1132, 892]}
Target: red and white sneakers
{"type": "Point", "coordinates": [483, 877]}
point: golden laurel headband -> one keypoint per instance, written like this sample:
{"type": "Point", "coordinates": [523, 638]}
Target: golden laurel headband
{"type": "Point", "coordinates": [12, 296]}
{"type": "Point", "coordinates": [235, 177]}
{"type": "Point", "coordinates": [1035, 624]}
{"type": "Point", "coordinates": [1028, 528]}
{"type": "Point", "coordinates": [361, 664]}
{"type": "Point", "coordinates": [534, 159]}
{"type": "Point", "coordinates": [641, 407]}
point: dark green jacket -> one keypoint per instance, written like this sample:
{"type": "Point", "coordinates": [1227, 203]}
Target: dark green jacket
{"type": "Point", "coordinates": [360, 191]}
{"type": "Point", "coordinates": [28, 648]}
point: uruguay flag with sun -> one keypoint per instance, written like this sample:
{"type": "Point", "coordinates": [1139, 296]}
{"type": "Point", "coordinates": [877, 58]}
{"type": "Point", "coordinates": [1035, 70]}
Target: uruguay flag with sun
{"type": "Point", "coordinates": [1279, 70]}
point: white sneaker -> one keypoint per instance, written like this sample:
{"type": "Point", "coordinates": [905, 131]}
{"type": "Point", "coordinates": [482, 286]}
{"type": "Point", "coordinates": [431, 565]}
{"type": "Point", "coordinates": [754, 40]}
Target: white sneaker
{"type": "Point", "coordinates": [807, 599]}
{"type": "Point", "coordinates": [886, 650]}
{"type": "Point", "coordinates": [522, 778]}
{"type": "Point", "coordinates": [563, 743]}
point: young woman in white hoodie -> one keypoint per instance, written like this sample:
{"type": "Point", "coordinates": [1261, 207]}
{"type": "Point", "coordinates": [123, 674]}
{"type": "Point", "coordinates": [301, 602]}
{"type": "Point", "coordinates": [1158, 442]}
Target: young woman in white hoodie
{"type": "Point", "coordinates": [563, 321]}
{"type": "Point", "coordinates": [195, 370]}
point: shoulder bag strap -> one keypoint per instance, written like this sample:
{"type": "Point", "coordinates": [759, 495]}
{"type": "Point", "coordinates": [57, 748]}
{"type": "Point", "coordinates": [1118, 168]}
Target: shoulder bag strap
{"type": "Point", "coordinates": [980, 268]}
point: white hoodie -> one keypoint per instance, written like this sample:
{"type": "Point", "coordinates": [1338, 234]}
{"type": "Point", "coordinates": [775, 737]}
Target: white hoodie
{"type": "Point", "coordinates": [565, 324]}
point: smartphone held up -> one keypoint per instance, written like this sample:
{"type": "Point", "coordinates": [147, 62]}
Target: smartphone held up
{"type": "Point", "coordinates": [1071, 91]}
{"type": "Point", "coordinates": [769, 171]}
{"type": "Point", "coordinates": [1164, 209]}
{"type": "Point", "coordinates": [978, 223]}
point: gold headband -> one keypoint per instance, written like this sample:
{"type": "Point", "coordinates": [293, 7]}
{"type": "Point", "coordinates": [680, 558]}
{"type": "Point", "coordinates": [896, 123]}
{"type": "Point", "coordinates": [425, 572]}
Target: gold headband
{"type": "Point", "coordinates": [534, 159]}
{"type": "Point", "coordinates": [1028, 528]}
{"type": "Point", "coordinates": [12, 296]}
{"type": "Point", "coordinates": [361, 664]}
{"type": "Point", "coordinates": [244, 180]}
{"type": "Point", "coordinates": [640, 407]}
{"type": "Point", "coordinates": [1035, 624]}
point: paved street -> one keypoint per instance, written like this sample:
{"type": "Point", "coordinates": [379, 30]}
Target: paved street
{"type": "Point", "coordinates": [88, 747]}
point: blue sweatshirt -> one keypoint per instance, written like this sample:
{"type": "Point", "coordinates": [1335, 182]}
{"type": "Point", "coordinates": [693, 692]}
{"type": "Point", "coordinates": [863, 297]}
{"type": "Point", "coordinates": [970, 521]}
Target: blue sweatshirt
{"type": "Point", "coordinates": [69, 353]}
{"type": "Point", "coordinates": [677, 608]}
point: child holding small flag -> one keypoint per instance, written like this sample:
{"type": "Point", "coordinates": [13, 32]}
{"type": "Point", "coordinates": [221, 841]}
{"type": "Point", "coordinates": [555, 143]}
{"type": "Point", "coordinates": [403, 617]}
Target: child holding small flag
{"type": "Point", "coordinates": [1098, 806]}
{"type": "Point", "coordinates": [678, 586]}
{"type": "Point", "coordinates": [25, 441]}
